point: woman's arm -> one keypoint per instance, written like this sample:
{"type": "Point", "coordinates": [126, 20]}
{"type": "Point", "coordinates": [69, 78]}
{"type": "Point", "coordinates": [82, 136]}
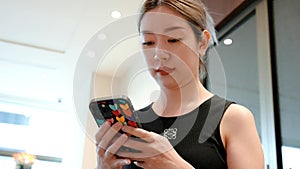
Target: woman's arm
{"type": "Point", "coordinates": [241, 140]}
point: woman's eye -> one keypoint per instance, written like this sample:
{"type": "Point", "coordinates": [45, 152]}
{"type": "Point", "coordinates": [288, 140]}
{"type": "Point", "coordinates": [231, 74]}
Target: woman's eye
{"type": "Point", "coordinates": [173, 40]}
{"type": "Point", "coordinates": [148, 43]}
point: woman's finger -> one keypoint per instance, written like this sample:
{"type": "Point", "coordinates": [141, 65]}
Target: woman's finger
{"type": "Point", "coordinates": [109, 135]}
{"type": "Point", "coordinates": [112, 149]}
{"type": "Point", "coordinates": [118, 143]}
{"type": "Point", "coordinates": [138, 132]}
{"type": "Point", "coordinates": [101, 131]}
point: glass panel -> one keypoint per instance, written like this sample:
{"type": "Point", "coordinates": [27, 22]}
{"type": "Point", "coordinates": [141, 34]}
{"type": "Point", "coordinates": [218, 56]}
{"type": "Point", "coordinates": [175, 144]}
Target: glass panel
{"type": "Point", "coordinates": [287, 25]}
{"type": "Point", "coordinates": [239, 61]}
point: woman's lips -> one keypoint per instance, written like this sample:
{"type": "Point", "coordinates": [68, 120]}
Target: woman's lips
{"type": "Point", "coordinates": [164, 71]}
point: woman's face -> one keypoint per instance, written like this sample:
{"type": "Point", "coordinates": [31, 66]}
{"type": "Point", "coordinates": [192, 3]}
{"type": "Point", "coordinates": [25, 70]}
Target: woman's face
{"type": "Point", "coordinates": [170, 47]}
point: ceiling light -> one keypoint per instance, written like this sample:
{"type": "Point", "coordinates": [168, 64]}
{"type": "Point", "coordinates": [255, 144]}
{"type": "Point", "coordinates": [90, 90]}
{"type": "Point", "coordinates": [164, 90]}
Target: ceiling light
{"type": "Point", "coordinates": [116, 14]}
{"type": "Point", "coordinates": [228, 41]}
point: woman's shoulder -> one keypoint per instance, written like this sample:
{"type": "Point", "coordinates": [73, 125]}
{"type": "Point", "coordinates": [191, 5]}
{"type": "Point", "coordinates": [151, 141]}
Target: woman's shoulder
{"type": "Point", "coordinates": [237, 121]}
{"type": "Point", "coordinates": [233, 110]}
{"type": "Point", "coordinates": [239, 135]}
{"type": "Point", "coordinates": [238, 112]}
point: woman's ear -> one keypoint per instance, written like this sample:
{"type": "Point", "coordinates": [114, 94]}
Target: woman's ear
{"type": "Point", "coordinates": [204, 42]}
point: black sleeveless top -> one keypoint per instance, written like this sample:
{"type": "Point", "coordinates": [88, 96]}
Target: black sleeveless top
{"type": "Point", "coordinates": [195, 136]}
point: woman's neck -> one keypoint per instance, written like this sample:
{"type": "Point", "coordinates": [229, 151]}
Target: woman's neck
{"type": "Point", "coordinates": [179, 101]}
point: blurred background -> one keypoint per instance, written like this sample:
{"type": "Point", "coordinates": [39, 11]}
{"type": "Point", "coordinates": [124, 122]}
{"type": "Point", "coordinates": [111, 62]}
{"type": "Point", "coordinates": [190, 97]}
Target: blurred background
{"type": "Point", "coordinates": [57, 55]}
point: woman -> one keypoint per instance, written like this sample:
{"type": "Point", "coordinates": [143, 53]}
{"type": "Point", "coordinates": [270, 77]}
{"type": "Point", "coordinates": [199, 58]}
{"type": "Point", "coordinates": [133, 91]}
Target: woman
{"type": "Point", "coordinates": [187, 126]}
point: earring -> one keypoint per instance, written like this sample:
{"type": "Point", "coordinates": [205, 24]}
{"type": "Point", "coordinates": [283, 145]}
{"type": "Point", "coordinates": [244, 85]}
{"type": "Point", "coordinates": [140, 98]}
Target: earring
{"type": "Point", "coordinates": [156, 57]}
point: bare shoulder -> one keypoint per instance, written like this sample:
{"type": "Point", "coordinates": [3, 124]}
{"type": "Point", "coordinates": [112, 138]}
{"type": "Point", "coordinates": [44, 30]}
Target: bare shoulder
{"type": "Point", "coordinates": [237, 121]}
{"type": "Point", "coordinates": [239, 135]}
{"type": "Point", "coordinates": [237, 113]}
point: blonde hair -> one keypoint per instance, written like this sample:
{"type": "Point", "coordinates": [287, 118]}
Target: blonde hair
{"type": "Point", "coordinates": [197, 16]}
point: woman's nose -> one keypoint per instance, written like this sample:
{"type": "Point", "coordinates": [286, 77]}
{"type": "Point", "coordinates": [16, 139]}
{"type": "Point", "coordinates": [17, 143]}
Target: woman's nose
{"type": "Point", "coordinates": [161, 53]}
{"type": "Point", "coordinates": [161, 56]}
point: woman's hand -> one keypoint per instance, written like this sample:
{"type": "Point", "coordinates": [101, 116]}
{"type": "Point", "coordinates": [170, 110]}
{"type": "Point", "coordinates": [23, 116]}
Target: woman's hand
{"type": "Point", "coordinates": [108, 141]}
{"type": "Point", "coordinates": [155, 151]}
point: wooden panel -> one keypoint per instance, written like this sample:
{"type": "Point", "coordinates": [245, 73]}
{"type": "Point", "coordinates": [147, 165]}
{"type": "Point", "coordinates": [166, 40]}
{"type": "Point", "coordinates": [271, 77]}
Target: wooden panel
{"type": "Point", "coordinates": [220, 9]}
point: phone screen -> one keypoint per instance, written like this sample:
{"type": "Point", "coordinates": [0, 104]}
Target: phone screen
{"type": "Point", "coordinates": [115, 109]}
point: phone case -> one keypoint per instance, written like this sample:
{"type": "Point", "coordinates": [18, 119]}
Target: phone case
{"type": "Point", "coordinates": [115, 109]}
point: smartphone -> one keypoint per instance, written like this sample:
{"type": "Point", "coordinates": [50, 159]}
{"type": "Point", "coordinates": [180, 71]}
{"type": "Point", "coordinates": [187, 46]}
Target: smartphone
{"type": "Point", "coordinates": [114, 109]}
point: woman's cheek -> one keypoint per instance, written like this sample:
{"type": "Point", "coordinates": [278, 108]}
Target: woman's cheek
{"type": "Point", "coordinates": [149, 59]}
{"type": "Point", "coordinates": [150, 63]}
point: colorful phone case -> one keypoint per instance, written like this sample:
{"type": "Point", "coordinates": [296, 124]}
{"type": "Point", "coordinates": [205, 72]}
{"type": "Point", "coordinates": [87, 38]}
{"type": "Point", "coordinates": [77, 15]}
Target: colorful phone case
{"type": "Point", "coordinates": [115, 109]}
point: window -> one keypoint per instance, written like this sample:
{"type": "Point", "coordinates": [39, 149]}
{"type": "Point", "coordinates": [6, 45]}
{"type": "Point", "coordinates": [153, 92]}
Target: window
{"type": "Point", "coordinates": [49, 135]}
